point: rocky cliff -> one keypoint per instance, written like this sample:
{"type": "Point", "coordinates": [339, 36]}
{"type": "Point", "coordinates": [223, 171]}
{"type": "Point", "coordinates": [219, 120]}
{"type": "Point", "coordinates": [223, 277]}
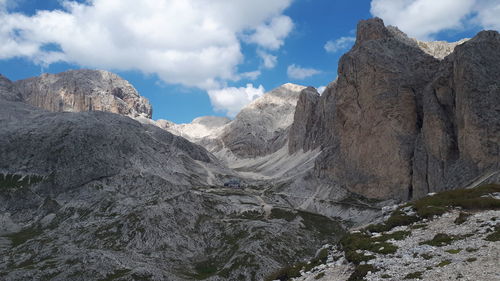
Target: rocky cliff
{"type": "Point", "coordinates": [259, 129]}
{"type": "Point", "coordinates": [84, 90]}
{"type": "Point", "coordinates": [399, 122]}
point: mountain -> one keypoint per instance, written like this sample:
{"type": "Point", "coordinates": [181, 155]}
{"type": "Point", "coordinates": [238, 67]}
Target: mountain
{"type": "Point", "coordinates": [83, 90]}
{"type": "Point", "coordinates": [92, 189]}
{"type": "Point", "coordinates": [100, 196]}
{"type": "Point", "coordinates": [400, 123]}
{"type": "Point", "coordinates": [259, 129]}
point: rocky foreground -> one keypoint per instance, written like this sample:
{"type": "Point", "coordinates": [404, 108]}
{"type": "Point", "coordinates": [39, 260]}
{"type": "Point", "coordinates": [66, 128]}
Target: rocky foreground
{"type": "Point", "coordinates": [418, 241]}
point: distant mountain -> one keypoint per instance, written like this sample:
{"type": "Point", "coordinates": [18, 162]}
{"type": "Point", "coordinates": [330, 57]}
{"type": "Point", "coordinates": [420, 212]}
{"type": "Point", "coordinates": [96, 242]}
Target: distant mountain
{"type": "Point", "coordinates": [83, 90]}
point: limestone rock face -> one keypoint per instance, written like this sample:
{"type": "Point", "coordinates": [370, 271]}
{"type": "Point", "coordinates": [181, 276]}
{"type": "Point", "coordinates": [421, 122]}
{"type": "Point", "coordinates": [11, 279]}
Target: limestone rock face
{"type": "Point", "coordinates": [461, 122]}
{"type": "Point", "coordinates": [261, 127]}
{"type": "Point", "coordinates": [84, 90]}
{"type": "Point", "coordinates": [399, 122]}
{"type": "Point", "coordinates": [305, 122]}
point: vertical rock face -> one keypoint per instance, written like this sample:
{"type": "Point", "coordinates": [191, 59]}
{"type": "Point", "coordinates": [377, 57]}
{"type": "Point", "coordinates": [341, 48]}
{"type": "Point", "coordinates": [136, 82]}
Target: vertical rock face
{"type": "Point", "coordinates": [461, 126]}
{"type": "Point", "coordinates": [84, 90]}
{"type": "Point", "coordinates": [399, 122]}
{"type": "Point", "coordinates": [262, 126]}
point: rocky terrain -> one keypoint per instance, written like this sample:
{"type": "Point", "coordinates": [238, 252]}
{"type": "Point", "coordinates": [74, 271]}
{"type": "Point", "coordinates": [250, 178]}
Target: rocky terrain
{"type": "Point", "coordinates": [83, 90]}
{"type": "Point", "coordinates": [92, 189]}
{"type": "Point", "coordinates": [459, 243]}
{"type": "Point", "coordinates": [436, 120]}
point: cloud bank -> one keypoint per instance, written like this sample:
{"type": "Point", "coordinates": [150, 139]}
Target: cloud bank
{"type": "Point", "coordinates": [340, 44]}
{"type": "Point", "coordinates": [195, 43]}
{"type": "Point", "coordinates": [298, 72]}
{"type": "Point", "coordinates": [424, 19]}
{"type": "Point", "coordinates": [232, 99]}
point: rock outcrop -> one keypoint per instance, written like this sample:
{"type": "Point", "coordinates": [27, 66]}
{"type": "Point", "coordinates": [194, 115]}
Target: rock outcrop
{"type": "Point", "coordinates": [84, 90]}
{"type": "Point", "coordinates": [399, 122]}
{"type": "Point", "coordinates": [259, 129]}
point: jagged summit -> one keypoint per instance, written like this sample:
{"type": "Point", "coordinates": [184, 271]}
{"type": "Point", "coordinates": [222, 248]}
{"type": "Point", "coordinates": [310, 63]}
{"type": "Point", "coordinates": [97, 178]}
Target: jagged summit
{"type": "Point", "coordinates": [84, 90]}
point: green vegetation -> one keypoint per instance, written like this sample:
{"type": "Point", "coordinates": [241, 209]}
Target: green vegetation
{"type": "Point", "coordinates": [115, 275]}
{"type": "Point", "coordinates": [414, 275]}
{"type": "Point", "coordinates": [462, 217]}
{"type": "Point", "coordinates": [24, 235]}
{"type": "Point", "coordinates": [386, 276]}
{"type": "Point", "coordinates": [10, 181]}
{"type": "Point", "coordinates": [471, 259]}
{"type": "Point", "coordinates": [442, 239]}
{"type": "Point", "coordinates": [319, 275]}
{"type": "Point", "coordinates": [470, 250]}
{"type": "Point", "coordinates": [361, 271]}
{"type": "Point", "coordinates": [469, 199]}
{"type": "Point", "coordinates": [418, 226]}
{"type": "Point", "coordinates": [427, 256]}
{"type": "Point", "coordinates": [352, 243]}
{"type": "Point", "coordinates": [397, 218]}
{"type": "Point", "coordinates": [443, 263]}
{"type": "Point", "coordinates": [454, 251]}
{"type": "Point", "coordinates": [277, 213]}
{"type": "Point", "coordinates": [495, 236]}
{"type": "Point", "coordinates": [205, 269]}
{"type": "Point", "coordinates": [294, 270]}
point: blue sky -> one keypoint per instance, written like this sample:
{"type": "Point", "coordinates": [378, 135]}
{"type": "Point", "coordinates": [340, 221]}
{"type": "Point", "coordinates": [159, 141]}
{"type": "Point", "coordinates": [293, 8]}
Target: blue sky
{"type": "Point", "coordinates": [157, 45]}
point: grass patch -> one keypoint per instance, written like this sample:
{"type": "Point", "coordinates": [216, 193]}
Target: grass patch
{"type": "Point", "coordinates": [10, 181]}
{"type": "Point", "coordinates": [115, 275]}
{"type": "Point", "coordinates": [418, 226]}
{"type": "Point", "coordinates": [293, 271]}
{"type": "Point", "coordinates": [470, 250]}
{"type": "Point", "coordinates": [442, 239]}
{"type": "Point", "coordinates": [462, 217]}
{"type": "Point", "coordinates": [353, 242]}
{"type": "Point", "coordinates": [277, 213]}
{"type": "Point", "coordinates": [468, 199]}
{"type": "Point", "coordinates": [386, 276]}
{"type": "Point", "coordinates": [319, 276]}
{"type": "Point", "coordinates": [443, 263]}
{"type": "Point", "coordinates": [427, 256]}
{"type": "Point", "coordinates": [397, 218]}
{"type": "Point", "coordinates": [495, 236]}
{"type": "Point", "coordinates": [414, 275]}
{"type": "Point", "coordinates": [361, 271]}
{"type": "Point", "coordinates": [471, 259]}
{"type": "Point", "coordinates": [24, 235]}
{"type": "Point", "coordinates": [454, 251]}
{"type": "Point", "coordinates": [205, 269]}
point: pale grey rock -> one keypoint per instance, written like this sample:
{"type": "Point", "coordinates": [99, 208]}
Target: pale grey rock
{"type": "Point", "coordinates": [261, 127]}
{"type": "Point", "coordinates": [108, 196]}
{"type": "Point", "coordinates": [399, 123]}
{"type": "Point", "coordinates": [84, 90]}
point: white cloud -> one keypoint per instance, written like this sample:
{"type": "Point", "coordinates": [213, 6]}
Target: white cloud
{"type": "Point", "coordinates": [268, 61]}
{"type": "Point", "coordinates": [252, 75]}
{"type": "Point", "coordinates": [297, 72]}
{"type": "Point", "coordinates": [423, 19]}
{"type": "Point", "coordinates": [340, 44]}
{"type": "Point", "coordinates": [271, 35]}
{"type": "Point", "coordinates": [189, 42]}
{"type": "Point", "coordinates": [231, 100]}
{"type": "Point", "coordinates": [488, 14]}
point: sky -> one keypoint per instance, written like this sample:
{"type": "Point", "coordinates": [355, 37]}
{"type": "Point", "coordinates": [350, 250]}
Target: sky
{"type": "Point", "coordinates": [192, 58]}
